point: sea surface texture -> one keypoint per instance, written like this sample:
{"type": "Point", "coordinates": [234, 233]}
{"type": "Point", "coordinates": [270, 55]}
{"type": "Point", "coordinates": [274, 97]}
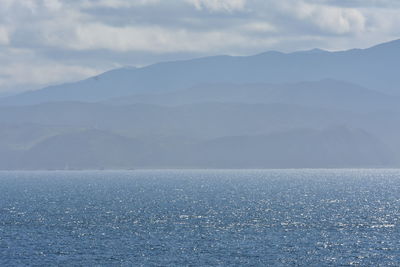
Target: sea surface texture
{"type": "Point", "coordinates": [200, 218]}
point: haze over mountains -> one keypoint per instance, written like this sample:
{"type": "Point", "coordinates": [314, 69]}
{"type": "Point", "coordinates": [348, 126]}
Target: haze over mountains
{"type": "Point", "coordinates": [310, 109]}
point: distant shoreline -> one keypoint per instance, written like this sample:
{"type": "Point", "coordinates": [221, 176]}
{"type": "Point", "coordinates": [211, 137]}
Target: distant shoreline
{"type": "Point", "coordinates": [206, 169]}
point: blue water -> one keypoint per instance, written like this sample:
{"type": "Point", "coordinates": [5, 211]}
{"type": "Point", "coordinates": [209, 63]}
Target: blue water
{"type": "Point", "coordinates": [198, 218]}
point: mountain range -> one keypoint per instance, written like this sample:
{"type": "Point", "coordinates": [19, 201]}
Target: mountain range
{"type": "Point", "coordinates": [308, 109]}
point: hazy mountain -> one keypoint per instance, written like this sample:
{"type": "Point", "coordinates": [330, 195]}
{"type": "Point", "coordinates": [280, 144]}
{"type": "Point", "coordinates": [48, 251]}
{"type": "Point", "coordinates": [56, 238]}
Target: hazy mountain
{"type": "Point", "coordinates": [205, 120]}
{"type": "Point", "coordinates": [334, 147]}
{"type": "Point", "coordinates": [273, 110]}
{"type": "Point", "coordinates": [94, 149]}
{"type": "Point", "coordinates": [205, 135]}
{"type": "Point", "coordinates": [375, 68]}
{"type": "Point", "coordinates": [87, 149]}
{"type": "Point", "coordinates": [325, 94]}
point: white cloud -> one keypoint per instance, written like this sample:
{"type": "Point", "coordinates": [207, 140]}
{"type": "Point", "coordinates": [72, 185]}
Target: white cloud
{"type": "Point", "coordinates": [219, 5]}
{"type": "Point", "coordinates": [117, 3]}
{"type": "Point", "coordinates": [329, 19]}
{"type": "Point", "coordinates": [22, 74]}
{"type": "Point", "coordinates": [258, 27]}
{"type": "Point", "coordinates": [4, 38]}
{"type": "Point", "coordinates": [153, 39]}
{"type": "Point", "coordinates": [20, 68]}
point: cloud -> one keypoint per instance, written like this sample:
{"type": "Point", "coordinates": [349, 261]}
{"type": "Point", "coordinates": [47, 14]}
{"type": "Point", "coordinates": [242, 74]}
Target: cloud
{"type": "Point", "coordinates": [4, 38]}
{"type": "Point", "coordinates": [258, 27]}
{"type": "Point", "coordinates": [24, 76]}
{"type": "Point", "coordinates": [219, 5]}
{"type": "Point", "coordinates": [117, 3]}
{"type": "Point", "coordinates": [153, 39]}
{"type": "Point", "coordinates": [20, 70]}
{"type": "Point", "coordinates": [329, 19]}
{"type": "Point", "coordinates": [359, 3]}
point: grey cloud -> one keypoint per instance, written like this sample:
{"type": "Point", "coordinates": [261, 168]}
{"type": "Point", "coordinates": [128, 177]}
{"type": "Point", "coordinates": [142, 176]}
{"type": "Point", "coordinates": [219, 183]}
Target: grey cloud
{"type": "Point", "coordinates": [360, 3]}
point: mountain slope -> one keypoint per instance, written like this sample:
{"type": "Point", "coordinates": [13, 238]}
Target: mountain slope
{"type": "Point", "coordinates": [297, 148]}
{"type": "Point", "coordinates": [304, 148]}
{"type": "Point", "coordinates": [375, 68]}
{"type": "Point", "coordinates": [324, 94]}
{"type": "Point", "coordinates": [204, 120]}
{"type": "Point", "coordinates": [87, 149]}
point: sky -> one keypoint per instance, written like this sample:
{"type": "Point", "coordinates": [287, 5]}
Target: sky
{"type": "Point", "coordinates": [44, 42]}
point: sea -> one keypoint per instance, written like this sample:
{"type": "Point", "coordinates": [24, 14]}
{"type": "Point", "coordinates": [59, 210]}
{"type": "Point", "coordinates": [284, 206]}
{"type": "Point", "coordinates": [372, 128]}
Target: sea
{"type": "Point", "coordinates": [200, 218]}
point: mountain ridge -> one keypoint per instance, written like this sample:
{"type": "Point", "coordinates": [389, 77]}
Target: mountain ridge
{"type": "Point", "coordinates": [299, 148]}
{"type": "Point", "coordinates": [308, 109]}
{"type": "Point", "coordinates": [374, 68]}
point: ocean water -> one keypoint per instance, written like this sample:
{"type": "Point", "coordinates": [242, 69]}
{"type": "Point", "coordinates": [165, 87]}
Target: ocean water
{"type": "Point", "coordinates": [200, 218]}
